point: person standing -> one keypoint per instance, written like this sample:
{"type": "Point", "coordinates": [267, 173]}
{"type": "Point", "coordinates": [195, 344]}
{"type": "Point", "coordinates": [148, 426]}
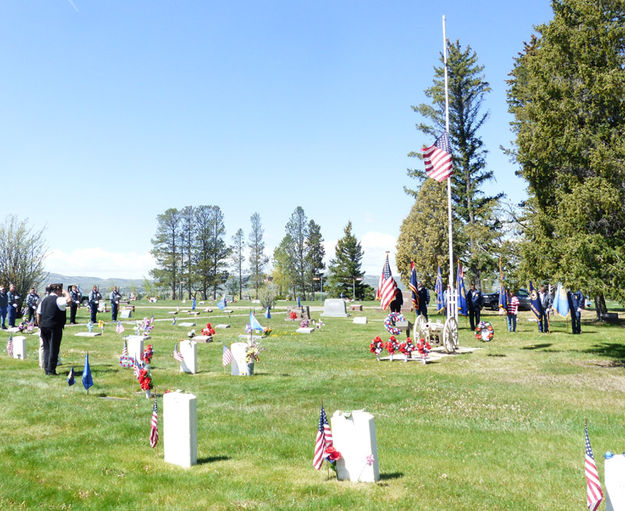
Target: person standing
{"type": "Point", "coordinates": [76, 296]}
{"type": "Point", "coordinates": [397, 302]}
{"type": "Point", "coordinates": [576, 304]}
{"type": "Point", "coordinates": [32, 300]}
{"type": "Point", "coordinates": [546, 302]}
{"type": "Point", "coordinates": [51, 322]}
{"type": "Point", "coordinates": [474, 303]}
{"type": "Point", "coordinates": [424, 299]}
{"type": "Point", "coordinates": [94, 302]}
{"type": "Point", "coordinates": [512, 312]}
{"type": "Point", "coordinates": [14, 299]}
{"type": "Point", "coordinates": [4, 305]}
{"type": "Point", "coordinates": [115, 298]}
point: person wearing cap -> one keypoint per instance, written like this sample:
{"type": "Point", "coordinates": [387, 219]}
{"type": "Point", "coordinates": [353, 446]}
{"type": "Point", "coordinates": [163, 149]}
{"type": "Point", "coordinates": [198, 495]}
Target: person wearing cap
{"type": "Point", "coordinates": [75, 294]}
{"type": "Point", "coordinates": [115, 298]}
{"type": "Point", "coordinates": [94, 301]}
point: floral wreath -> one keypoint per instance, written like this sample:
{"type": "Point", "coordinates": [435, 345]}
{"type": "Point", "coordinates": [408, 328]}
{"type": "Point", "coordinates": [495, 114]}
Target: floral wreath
{"type": "Point", "coordinates": [484, 331]}
{"type": "Point", "coordinates": [391, 320]}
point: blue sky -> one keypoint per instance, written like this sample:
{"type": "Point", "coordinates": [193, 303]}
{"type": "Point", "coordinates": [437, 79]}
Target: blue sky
{"type": "Point", "coordinates": [115, 111]}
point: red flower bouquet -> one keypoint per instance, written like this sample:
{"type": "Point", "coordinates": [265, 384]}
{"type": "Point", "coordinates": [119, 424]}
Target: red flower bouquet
{"type": "Point", "coordinates": [332, 454]}
{"type": "Point", "coordinates": [147, 354]}
{"type": "Point", "coordinates": [392, 345]}
{"type": "Point", "coordinates": [145, 379]}
{"type": "Point", "coordinates": [209, 330]}
{"type": "Point", "coordinates": [293, 315]}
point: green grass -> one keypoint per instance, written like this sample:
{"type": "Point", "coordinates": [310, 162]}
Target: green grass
{"type": "Point", "coordinates": [500, 428]}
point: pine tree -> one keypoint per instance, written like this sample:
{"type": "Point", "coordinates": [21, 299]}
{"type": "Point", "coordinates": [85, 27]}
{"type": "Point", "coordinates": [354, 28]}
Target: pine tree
{"type": "Point", "coordinates": [238, 258]}
{"type": "Point", "coordinates": [345, 269]}
{"type": "Point", "coordinates": [258, 259]}
{"type": "Point", "coordinates": [314, 257]}
{"type": "Point", "coordinates": [167, 251]}
{"type": "Point", "coordinates": [297, 250]}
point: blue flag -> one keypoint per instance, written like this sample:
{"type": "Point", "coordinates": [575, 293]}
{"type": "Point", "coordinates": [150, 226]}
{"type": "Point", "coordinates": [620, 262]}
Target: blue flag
{"type": "Point", "coordinates": [193, 306]}
{"type": "Point", "coordinates": [561, 302]}
{"type": "Point", "coordinates": [173, 323]}
{"type": "Point", "coordinates": [462, 292]}
{"type": "Point", "coordinates": [222, 303]}
{"type": "Point", "coordinates": [254, 324]}
{"type": "Point", "coordinates": [503, 294]}
{"type": "Point", "coordinates": [87, 380]}
{"type": "Point", "coordinates": [268, 313]}
{"type": "Point", "coordinates": [299, 302]}
{"type": "Point", "coordinates": [413, 286]}
{"type": "Point", "coordinates": [440, 292]}
{"type": "Point", "coordinates": [535, 305]}
{"type": "Point", "coordinates": [70, 377]}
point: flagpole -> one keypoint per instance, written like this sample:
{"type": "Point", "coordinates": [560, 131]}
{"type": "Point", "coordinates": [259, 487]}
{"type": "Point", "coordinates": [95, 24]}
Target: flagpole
{"type": "Point", "coordinates": [452, 307]}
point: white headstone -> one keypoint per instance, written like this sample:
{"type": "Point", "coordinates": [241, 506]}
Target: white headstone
{"type": "Point", "coordinates": [354, 437]}
{"type": "Point", "coordinates": [305, 330]}
{"type": "Point", "coordinates": [203, 338]}
{"type": "Point", "coordinates": [187, 324]}
{"type": "Point", "coordinates": [360, 320]}
{"type": "Point", "coordinates": [208, 309]}
{"type": "Point", "coordinates": [334, 308]}
{"type": "Point", "coordinates": [19, 347]}
{"type": "Point", "coordinates": [135, 346]}
{"type": "Point", "coordinates": [180, 428]}
{"type": "Point", "coordinates": [126, 314]}
{"type": "Point", "coordinates": [615, 483]}
{"type": "Point", "coordinates": [188, 350]}
{"type": "Point", "coordinates": [238, 366]}
{"type": "Point", "coordinates": [88, 334]}
{"type": "Point", "coordinates": [222, 325]}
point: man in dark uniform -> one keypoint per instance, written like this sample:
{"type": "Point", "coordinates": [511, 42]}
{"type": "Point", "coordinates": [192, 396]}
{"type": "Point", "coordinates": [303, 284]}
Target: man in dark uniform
{"type": "Point", "coordinates": [397, 302]}
{"type": "Point", "coordinates": [546, 301]}
{"type": "Point", "coordinates": [4, 305]}
{"type": "Point", "coordinates": [76, 296]}
{"type": "Point", "coordinates": [94, 302]}
{"type": "Point", "coordinates": [424, 299]}
{"type": "Point", "coordinates": [115, 298]}
{"type": "Point", "coordinates": [32, 300]}
{"type": "Point", "coordinates": [51, 322]}
{"type": "Point", "coordinates": [576, 304]}
{"type": "Point", "coordinates": [14, 299]}
{"type": "Point", "coordinates": [474, 304]}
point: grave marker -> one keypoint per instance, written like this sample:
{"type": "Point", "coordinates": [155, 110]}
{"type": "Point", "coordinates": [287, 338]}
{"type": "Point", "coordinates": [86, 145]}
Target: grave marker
{"type": "Point", "coordinates": [180, 428]}
{"type": "Point", "coordinates": [354, 437]}
{"type": "Point", "coordinates": [19, 347]}
{"type": "Point", "coordinates": [334, 308]}
{"type": "Point", "coordinates": [188, 350]}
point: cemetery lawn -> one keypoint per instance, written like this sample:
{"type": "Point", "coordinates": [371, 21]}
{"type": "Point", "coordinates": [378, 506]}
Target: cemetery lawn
{"type": "Point", "coordinates": [501, 428]}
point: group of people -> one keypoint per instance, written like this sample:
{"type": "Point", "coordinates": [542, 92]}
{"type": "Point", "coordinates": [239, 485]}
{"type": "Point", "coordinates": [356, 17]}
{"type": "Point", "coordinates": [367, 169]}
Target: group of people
{"type": "Point", "coordinates": [9, 302]}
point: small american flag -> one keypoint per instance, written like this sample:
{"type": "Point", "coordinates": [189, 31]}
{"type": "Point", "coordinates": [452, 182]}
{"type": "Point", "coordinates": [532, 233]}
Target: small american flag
{"type": "Point", "coordinates": [437, 158]}
{"type": "Point", "coordinates": [120, 328]}
{"type": "Point", "coordinates": [10, 346]}
{"type": "Point", "coordinates": [154, 426]}
{"type": "Point", "coordinates": [177, 355]}
{"type": "Point", "coordinates": [323, 441]}
{"type": "Point", "coordinates": [387, 286]}
{"type": "Point", "coordinates": [173, 323]}
{"type": "Point", "coordinates": [136, 368]}
{"type": "Point", "coordinates": [125, 349]}
{"type": "Point", "coordinates": [594, 495]}
{"type": "Point", "coordinates": [227, 356]}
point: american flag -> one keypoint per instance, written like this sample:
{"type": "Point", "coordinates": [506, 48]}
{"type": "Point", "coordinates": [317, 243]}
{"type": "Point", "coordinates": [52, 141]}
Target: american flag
{"type": "Point", "coordinates": [10, 346]}
{"type": "Point", "coordinates": [437, 158]}
{"type": "Point", "coordinates": [154, 426]}
{"type": "Point", "coordinates": [323, 441]}
{"type": "Point", "coordinates": [125, 349]}
{"type": "Point", "coordinates": [120, 328]}
{"type": "Point", "coordinates": [136, 368]}
{"type": "Point", "coordinates": [386, 287]}
{"type": "Point", "coordinates": [594, 495]}
{"type": "Point", "coordinates": [177, 355]}
{"type": "Point", "coordinates": [227, 356]}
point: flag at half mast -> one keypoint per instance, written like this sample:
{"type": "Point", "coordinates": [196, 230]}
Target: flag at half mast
{"type": "Point", "coordinates": [387, 287]}
{"type": "Point", "coordinates": [437, 158]}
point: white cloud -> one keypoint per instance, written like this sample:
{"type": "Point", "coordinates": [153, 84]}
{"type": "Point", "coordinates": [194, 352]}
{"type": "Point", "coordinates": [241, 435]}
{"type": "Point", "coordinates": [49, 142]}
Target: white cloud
{"type": "Point", "coordinates": [97, 262]}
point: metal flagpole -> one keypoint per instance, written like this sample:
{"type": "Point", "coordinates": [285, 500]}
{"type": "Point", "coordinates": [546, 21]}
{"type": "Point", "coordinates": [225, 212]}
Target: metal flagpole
{"type": "Point", "coordinates": [452, 308]}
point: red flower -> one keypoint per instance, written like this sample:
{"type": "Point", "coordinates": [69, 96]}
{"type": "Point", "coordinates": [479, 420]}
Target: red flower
{"type": "Point", "coordinates": [332, 454]}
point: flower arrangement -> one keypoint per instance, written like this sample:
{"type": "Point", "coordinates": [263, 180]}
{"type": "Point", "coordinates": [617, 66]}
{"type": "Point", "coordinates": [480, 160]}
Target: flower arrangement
{"type": "Point", "coordinates": [145, 380]}
{"type": "Point", "coordinates": [147, 354]}
{"type": "Point", "coordinates": [484, 331]}
{"type": "Point", "coordinates": [390, 322]}
{"type": "Point", "coordinates": [144, 327]}
{"type": "Point", "coordinates": [332, 455]}
{"type": "Point", "coordinates": [391, 346]}
{"type": "Point", "coordinates": [424, 347]}
{"type": "Point", "coordinates": [292, 315]}
{"type": "Point", "coordinates": [208, 330]}
{"type": "Point", "coordinates": [267, 330]}
{"type": "Point", "coordinates": [377, 346]}
{"type": "Point", "coordinates": [407, 348]}
{"type": "Point", "coordinates": [26, 327]}
{"type": "Point", "coordinates": [101, 325]}
{"type": "Point", "coordinates": [304, 323]}
{"type": "Point", "coordinates": [252, 352]}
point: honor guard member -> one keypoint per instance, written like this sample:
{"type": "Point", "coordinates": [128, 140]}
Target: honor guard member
{"type": "Point", "coordinates": [14, 299]}
{"type": "Point", "coordinates": [115, 298]}
{"type": "Point", "coordinates": [73, 307]}
{"type": "Point", "coordinates": [546, 301]}
{"type": "Point", "coordinates": [32, 300]}
{"type": "Point", "coordinates": [4, 305]}
{"type": "Point", "coordinates": [51, 322]}
{"type": "Point", "coordinates": [424, 299]}
{"type": "Point", "coordinates": [397, 302]}
{"type": "Point", "coordinates": [576, 304]}
{"type": "Point", "coordinates": [474, 303]}
{"type": "Point", "coordinates": [94, 302]}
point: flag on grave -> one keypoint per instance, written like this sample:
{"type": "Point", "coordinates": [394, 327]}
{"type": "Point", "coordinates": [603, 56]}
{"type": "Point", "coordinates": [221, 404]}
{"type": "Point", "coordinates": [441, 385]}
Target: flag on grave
{"type": "Point", "coordinates": [222, 303]}
{"type": "Point", "coordinates": [177, 355]}
{"type": "Point", "coordinates": [87, 380]}
{"type": "Point", "coordinates": [125, 349]}
{"type": "Point", "coordinates": [10, 345]}
{"type": "Point", "coordinates": [387, 287]}
{"type": "Point", "coordinates": [70, 377]}
{"type": "Point", "coordinates": [154, 426]}
{"type": "Point", "coordinates": [227, 356]}
{"type": "Point", "coordinates": [594, 495]}
{"type": "Point", "coordinates": [438, 160]}
{"type": "Point", "coordinates": [323, 440]}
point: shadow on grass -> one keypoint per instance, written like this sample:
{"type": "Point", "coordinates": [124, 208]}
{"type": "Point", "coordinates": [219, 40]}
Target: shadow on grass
{"type": "Point", "coordinates": [608, 349]}
{"type": "Point", "coordinates": [391, 475]}
{"type": "Point", "coordinates": [495, 355]}
{"type": "Point", "coordinates": [537, 346]}
{"type": "Point", "coordinates": [212, 459]}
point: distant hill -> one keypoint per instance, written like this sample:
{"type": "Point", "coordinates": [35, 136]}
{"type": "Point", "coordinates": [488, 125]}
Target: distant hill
{"type": "Point", "coordinates": [86, 283]}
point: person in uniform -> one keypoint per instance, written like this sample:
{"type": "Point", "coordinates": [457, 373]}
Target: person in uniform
{"type": "Point", "coordinates": [14, 299]}
{"type": "Point", "coordinates": [52, 319]}
{"type": "Point", "coordinates": [546, 301]}
{"type": "Point", "coordinates": [115, 298]}
{"type": "Point", "coordinates": [32, 300]}
{"type": "Point", "coordinates": [576, 304]}
{"type": "Point", "coordinates": [424, 299]}
{"type": "Point", "coordinates": [94, 301]}
{"type": "Point", "coordinates": [4, 305]}
{"type": "Point", "coordinates": [397, 302]}
{"type": "Point", "coordinates": [474, 304]}
{"type": "Point", "coordinates": [76, 296]}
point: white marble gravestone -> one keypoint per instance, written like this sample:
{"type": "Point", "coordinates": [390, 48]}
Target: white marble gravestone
{"type": "Point", "coordinates": [188, 350]}
{"type": "Point", "coordinates": [203, 338]}
{"type": "Point", "coordinates": [354, 437]}
{"type": "Point", "coordinates": [187, 324]}
{"type": "Point", "coordinates": [360, 320]}
{"type": "Point", "coordinates": [180, 428]}
{"type": "Point", "coordinates": [125, 314]}
{"type": "Point", "coordinates": [87, 334]}
{"type": "Point", "coordinates": [238, 366]}
{"type": "Point", "coordinates": [135, 346]}
{"type": "Point", "coordinates": [305, 330]}
{"type": "Point", "coordinates": [19, 347]}
{"type": "Point", "coordinates": [334, 308]}
{"type": "Point", "coordinates": [615, 483]}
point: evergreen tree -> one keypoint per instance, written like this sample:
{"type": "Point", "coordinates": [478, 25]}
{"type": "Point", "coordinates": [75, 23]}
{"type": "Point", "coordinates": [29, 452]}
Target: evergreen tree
{"type": "Point", "coordinates": [218, 251]}
{"type": "Point", "coordinates": [238, 245]}
{"type": "Point", "coordinates": [297, 249]}
{"type": "Point", "coordinates": [314, 257]}
{"type": "Point", "coordinates": [258, 259]}
{"type": "Point", "coordinates": [167, 250]}
{"type": "Point", "coordinates": [472, 208]}
{"type": "Point", "coordinates": [345, 269]}
{"type": "Point", "coordinates": [203, 216]}
{"type": "Point", "coordinates": [566, 96]}
{"type": "Point", "coordinates": [187, 246]}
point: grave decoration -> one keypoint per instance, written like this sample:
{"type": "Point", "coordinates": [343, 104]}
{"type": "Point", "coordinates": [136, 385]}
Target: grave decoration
{"type": "Point", "coordinates": [391, 346]}
{"type": "Point", "coordinates": [191, 334]}
{"type": "Point", "coordinates": [267, 331]}
{"type": "Point", "coordinates": [377, 347]}
{"type": "Point", "coordinates": [320, 324]}
{"type": "Point", "coordinates": [208, 330]}
{"type": "Point", "coordinates": [143, 328]}
{"type": "Point", "coordinates": [90, 327]}
{"type": "Point", "coordinates": [484, 331]}
{"type": "Point", "coordinates": [253, 325]}
{"type": "Point", "coordinates": [101, 326]}
{"type": "Point", "coordinates": [407, 348]}
{"type": "Point", "coordinates": [10, 346]}
{"type": "Point", "coordinates": [324, 445]}
{"type": "Point", "coordinates": [391, 320]}
{"type": "Point", "coordinates": [292, 315]}
{"type": "Point", "coordinates": [26, 327]}
{"type": "Point", "coordinates": [145, 381]}
{"type": "Point", "coordinates": [119, 329]}
{"type": "Point", "coordinates": [147, 354]}
{"type": "Point", "coordinates": [424, 348]}
{"type": "Point", "coordinates": [304, 323]}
